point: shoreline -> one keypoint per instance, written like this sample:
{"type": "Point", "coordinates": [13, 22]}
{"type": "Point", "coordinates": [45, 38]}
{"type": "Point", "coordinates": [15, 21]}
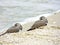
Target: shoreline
{"type": "Point", "coordinates": [29, 20]}
{"type": "Point", "coordinates": [46, 35]}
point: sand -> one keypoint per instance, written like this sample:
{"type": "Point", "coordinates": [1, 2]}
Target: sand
{"type": "Point", "coordinates": [46, 35]}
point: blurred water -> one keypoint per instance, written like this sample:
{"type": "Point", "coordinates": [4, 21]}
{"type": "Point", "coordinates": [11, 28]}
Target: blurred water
{"type": "Point", "coordinates": [17, 10]}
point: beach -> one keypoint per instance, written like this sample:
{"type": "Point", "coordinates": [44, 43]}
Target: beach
{"type": "Point", "coordinates": [45, 35]}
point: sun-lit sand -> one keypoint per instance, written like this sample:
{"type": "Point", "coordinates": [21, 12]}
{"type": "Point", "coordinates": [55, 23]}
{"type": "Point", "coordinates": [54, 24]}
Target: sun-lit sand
{"type": "Point", "coordinates": [46, 35]}
{"type": "Point", "coordinates": [54, 19]}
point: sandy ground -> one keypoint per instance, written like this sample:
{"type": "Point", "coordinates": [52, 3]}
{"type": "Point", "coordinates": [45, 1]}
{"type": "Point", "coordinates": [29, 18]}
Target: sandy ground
{"type": "Point", "coordinates": [46, 35]}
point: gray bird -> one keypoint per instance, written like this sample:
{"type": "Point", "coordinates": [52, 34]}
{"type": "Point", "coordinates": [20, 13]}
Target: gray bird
{"type": "Point", "coordinates": [41, 22]}
{"type": "Point", "coordinates": [13, 29]}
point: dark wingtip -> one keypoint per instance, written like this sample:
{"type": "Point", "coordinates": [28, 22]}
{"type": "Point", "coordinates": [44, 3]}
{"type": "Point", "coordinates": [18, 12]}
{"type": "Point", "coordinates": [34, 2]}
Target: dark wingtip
{"type": "Point", "coordinates": [29, 29]}
{"type": "Point", "coordinates": [3, 34]}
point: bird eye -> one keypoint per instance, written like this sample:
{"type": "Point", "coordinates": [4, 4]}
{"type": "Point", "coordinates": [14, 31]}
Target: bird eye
{"type": "Point", "coordinates": [16, 24]}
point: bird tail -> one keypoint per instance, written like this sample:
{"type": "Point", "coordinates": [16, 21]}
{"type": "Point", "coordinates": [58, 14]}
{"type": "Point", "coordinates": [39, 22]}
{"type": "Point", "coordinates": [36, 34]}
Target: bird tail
{"type": "Point", "coordinates": [2, 33]}
{"type": "Point", "coordinates": [29, 29]}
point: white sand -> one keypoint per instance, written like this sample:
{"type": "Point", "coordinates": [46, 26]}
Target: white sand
{"type": "Point", "coordinates": [48, 35]}
{"type": "Point", "coordinates": [54, 19]}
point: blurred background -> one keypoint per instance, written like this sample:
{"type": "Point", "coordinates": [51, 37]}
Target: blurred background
{"type": "Point", "coordinates": [17, 10]}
